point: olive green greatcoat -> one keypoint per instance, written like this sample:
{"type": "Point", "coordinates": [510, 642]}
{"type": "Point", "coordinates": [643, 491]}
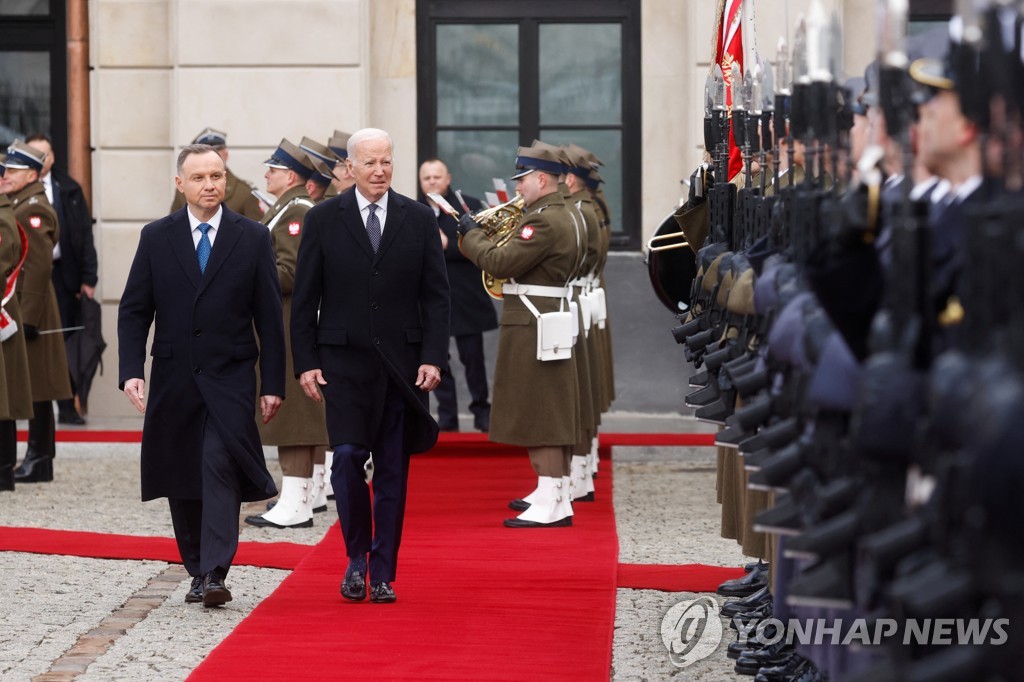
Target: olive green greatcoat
{"type": "Point", "coordinates": [47, 358]}
{"type": "Point", "coordinates": [535, 403]}
{"type": "Point", "coordinates": [605, 335]}
{"type": "Point", "coordinates": [237, 196]}
{"type": "Point", "coordinates": [15, 389]}
{"type": "Point", "coordinates": [591, 265]}
{"type": "Point", "coordinates": [581, 351]}
{"type": "Point", "coordinates": [300, 421]}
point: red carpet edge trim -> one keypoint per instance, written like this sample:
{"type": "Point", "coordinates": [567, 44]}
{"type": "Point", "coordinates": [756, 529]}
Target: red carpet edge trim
{"type": "Point", "coordinates": [281, 555]}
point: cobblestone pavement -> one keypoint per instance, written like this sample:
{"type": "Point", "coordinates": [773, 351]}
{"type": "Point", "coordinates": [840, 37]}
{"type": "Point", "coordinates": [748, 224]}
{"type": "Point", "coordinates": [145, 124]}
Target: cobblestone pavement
{"type": "Point", "coordinates": [68, 618]}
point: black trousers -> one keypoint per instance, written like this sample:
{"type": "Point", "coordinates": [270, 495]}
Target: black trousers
{"type": "Point", "coordinates": [374, 529]}
{"type": "Point", "coordinates": [471, 355]}
{"type": "Point", "coordinates": [207, 530]}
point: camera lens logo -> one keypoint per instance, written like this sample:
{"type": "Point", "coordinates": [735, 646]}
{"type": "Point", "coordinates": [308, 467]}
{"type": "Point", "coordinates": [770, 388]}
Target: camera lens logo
{"type": "Point", "coordinates": [691, 631]}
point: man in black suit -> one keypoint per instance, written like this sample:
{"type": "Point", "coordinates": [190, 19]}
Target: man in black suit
{"type": "Point", "coordinates": [472, 310]}
{"type": "Point", "coordinates": [208, 275]}
{"type": "Point", "coordinates": [369, 328]}
{"type": "Point", "coordinates": [74, 257]}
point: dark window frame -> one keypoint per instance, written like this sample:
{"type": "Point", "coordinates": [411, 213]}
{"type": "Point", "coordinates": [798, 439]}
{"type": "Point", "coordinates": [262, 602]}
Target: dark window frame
{"type": "Point", "coordinates": [45, 33]}
{"type": "Point", "coordinates": [529, 14]}
{"type": "Point", "coordinates": [931, 10]}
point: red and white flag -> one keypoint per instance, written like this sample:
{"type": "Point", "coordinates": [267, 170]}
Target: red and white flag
{"type": "Point", "coordinates": [729, 51]}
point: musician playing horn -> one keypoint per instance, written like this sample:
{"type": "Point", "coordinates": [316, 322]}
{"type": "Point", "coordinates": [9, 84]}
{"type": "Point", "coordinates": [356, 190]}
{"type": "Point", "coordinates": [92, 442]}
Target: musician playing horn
{"type": "Point", "coordinates": [535, 402]}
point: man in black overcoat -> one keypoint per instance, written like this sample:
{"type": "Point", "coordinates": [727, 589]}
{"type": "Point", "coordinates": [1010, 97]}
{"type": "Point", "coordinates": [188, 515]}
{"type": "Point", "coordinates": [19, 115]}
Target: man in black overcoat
{"type": "Point", "coordinates": [369, 328]}
{"type": "Point", "coordinates": [208, 276]}
{"type": "Point", "coordinates": [472, 310]}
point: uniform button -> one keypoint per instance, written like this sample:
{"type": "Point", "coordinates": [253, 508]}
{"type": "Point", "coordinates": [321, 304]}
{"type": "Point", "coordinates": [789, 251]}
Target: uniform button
{"type": "Point", "coordinates": [375, 272]}
{"type": "Point", "coordinates": [198, 332]}
{"type": "Point", "coordinates": [376, 341]}
{"type": "Point", "coordinates": [198, 370]}
{"type": "Point", "coordinates": [375, 305]}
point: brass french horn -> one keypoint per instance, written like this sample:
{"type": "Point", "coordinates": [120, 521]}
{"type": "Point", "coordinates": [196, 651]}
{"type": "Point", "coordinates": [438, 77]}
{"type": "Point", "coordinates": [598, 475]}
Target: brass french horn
{"type": "Point", "coordinates": [499, 223]}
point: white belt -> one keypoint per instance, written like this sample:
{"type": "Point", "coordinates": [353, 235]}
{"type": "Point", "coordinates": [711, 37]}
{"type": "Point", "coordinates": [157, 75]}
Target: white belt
{"type": "Point", "coordinates": [580, 282]}
{"type": "Point", "coordinates": [534, 290]}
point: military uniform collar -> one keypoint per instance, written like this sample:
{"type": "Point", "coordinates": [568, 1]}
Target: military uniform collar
{"type": "Point", "coordinates": [553, 199]}
{"type": "Point", "coordinates": [582, 194]}
{"type": "Point", "coordinates": [296, 192]}
{"type": "Point", "coordinates": [26, 192]}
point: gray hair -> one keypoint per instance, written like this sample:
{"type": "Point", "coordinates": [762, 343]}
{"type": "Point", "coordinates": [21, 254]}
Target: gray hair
{"type": "Point", "coordinates": [194, 149]}
{"type": "Point", "coordinates": [368, 134]}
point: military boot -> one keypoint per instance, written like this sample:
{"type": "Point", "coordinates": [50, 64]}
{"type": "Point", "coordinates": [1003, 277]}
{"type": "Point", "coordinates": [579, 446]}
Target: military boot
{"type": "Point", "coordinates": [37, 467]}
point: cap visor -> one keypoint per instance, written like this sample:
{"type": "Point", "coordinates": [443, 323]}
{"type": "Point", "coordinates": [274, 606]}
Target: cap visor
{"type": "Point", "coordinates": [524, 172]}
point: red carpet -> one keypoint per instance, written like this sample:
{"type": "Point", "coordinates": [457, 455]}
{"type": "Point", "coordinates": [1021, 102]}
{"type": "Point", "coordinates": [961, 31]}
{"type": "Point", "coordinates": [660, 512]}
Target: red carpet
{"type": "Point", "coordinates": [284, 555]}
{"type": "Point", "coordinates": [686, 578]}
{"type": "Point", "coordinates": [475, 600]}
{"type": "Point", "coordinates": [451, 442]}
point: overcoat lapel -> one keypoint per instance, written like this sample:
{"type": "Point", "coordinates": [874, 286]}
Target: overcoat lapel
{"type": "Point", "coordinates": [395, 222]}
{"type": "Point", "coordinates": [354, 223]}
{"type": "Point", "coordinates": [227, 236]}
{"type": "Point", "coordinates": [180, 238]}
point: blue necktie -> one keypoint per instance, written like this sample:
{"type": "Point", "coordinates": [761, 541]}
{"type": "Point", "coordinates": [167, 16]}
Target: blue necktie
{"type": "Point", "coordinates": [203, 250]}
{"type": "Point", "coordinates": [373, 227]}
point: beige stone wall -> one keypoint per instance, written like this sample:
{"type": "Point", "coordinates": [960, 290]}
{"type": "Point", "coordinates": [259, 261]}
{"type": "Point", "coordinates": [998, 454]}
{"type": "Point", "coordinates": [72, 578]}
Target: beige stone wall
{"type": "Point", "coordinates": [165, 69]}
{"type": "Point", "coordinates": [266, 69]}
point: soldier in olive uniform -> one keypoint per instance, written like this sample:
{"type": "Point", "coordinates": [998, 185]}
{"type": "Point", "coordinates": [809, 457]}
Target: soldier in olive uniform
{"type": "Point", "coordinates": [535, 403]}
{"type": "Point", "coordinates": [300, 429]}
{"type": "Point", "coordinates": [582, 488]}
{"type": "Point", "coordinates": [343, 178]}
{"type": "Point", "coordinates": [47, 358]}
{"type": "Point", "coordinates": [319, 182]}
{"type": "Point", "coordinates": [15, 389]}
{"type": "Point", "coordinates": [238, 195]}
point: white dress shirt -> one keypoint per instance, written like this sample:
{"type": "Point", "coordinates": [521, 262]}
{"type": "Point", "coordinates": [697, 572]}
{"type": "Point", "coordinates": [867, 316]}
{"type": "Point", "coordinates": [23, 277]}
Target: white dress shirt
{"type": "Point", "coordinates": [382, 208]}
{"type": "Point", "coordinates": [47, 181]}
{"type": "Point", "coordinates": [213, 222]}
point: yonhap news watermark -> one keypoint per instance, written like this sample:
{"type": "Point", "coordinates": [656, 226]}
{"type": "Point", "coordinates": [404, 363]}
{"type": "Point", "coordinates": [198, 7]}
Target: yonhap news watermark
{"type": "Point", "coordinates": [876, 632]}
{"type": "Point", "coordinates": [692, 630]}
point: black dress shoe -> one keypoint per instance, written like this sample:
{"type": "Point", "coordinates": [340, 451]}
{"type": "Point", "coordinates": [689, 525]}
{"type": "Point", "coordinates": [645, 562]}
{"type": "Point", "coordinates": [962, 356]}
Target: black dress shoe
{"type": "Point", "coordinates": [381, 593]}
{"type": "Point", "coordinates": [520, 523]}
{"type": "Point", "coordinates": [747, 585]}
{"type": "Point", "coordinates": [767, 657]}
{"type": "Point", "coordinates": [195, 593]}
{"type": "Point", "coordinates": [792, 669]}
{"type": "Point", "coordinates": [261, 522]}
{"type": "Point", "coordinates": [70, 418]}
{"type": "Point", "coordinates": [739, 648]}
{"type": "Point", "coordinates": [519, 505]}
{"type": "Point", "coordinates": [353, 587]}
{"type": "Point", "coordinates": [34, 470]}
{"type": "Point", "coordinates": [215, 593]}
{"type": "Point", "coordinates": [752, 601]}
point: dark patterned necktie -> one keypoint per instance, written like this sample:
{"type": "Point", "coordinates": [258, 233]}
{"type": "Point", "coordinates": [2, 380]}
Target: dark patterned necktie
{"type": "Point", "coordinates": [373, 227]}
{"type": "Point", "coordinates": [203, 249]}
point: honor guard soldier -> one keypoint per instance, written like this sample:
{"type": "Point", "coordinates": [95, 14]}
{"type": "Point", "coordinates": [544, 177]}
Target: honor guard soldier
{"type": "Point", "coordinates": [15, 387]}
{"type": "Point", "coordinates": [536, 393]}
{"type": "Point", "coordinates": [343, 178]}
{"type": "Point", "coordinates": [299, 430]}
{"type": "Point", "coordinates": [603, 323]}
{"type": "Point", "coordinates": [238, 195]}
{"type": "Point", "coordinates": [47, 358]}
{"type": "Point", "coordinates": [586, 283]}
{"type": "Point", "coordinates": [319, 182]}
{"type": "Point", "coordinates": [320, 154]}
